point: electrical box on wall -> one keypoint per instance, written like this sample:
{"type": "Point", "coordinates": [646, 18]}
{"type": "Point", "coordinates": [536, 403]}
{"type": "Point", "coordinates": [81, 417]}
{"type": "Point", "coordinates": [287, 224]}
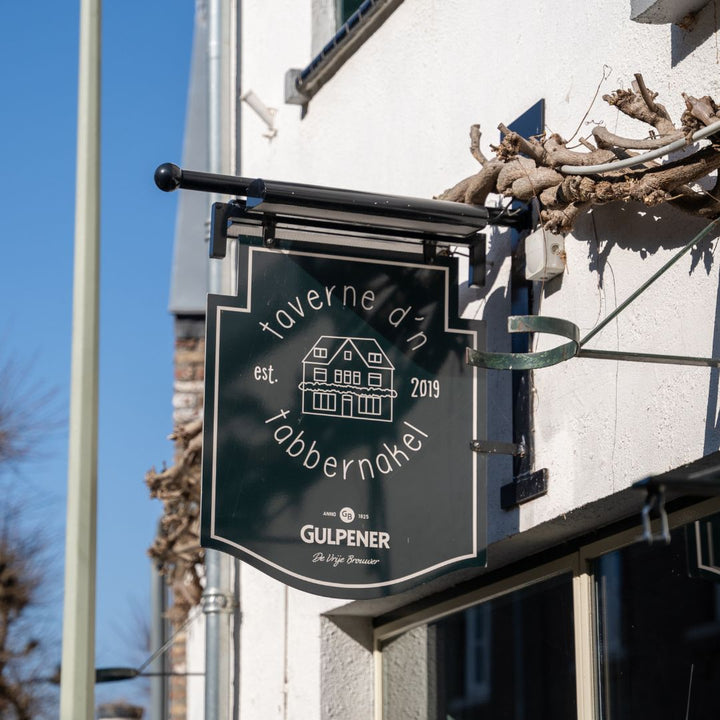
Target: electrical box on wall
{"type": "Point", "coordinates": [544, 255]}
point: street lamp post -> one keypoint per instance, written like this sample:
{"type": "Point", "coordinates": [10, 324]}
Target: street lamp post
{"type": "Point", "coordinates": [78, 656]}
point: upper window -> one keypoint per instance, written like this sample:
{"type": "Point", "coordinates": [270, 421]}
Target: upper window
{"type": "Point", "coordinates": [319, 353]}
{"type": "Point", "coordinates": [339, 28]}
{"type": "Point", "coordinates": [344, 9]}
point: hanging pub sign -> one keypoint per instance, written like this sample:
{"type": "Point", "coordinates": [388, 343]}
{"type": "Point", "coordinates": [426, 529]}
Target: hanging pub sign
{"type": "Point", "coordinates": [339, 413]}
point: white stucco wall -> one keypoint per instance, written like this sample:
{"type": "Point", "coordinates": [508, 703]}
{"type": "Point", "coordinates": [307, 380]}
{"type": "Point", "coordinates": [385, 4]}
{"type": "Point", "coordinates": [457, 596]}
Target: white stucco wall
{"type": "Point", "coordinates": [395, 119]}
{"type": "Point", "coordinates": [279, 649]}
{"type": "Point", "coordinates": [195, 665]}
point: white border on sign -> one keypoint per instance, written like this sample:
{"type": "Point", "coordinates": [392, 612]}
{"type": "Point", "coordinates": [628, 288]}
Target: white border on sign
{"type": "Point", "coordinates": [248, 309]}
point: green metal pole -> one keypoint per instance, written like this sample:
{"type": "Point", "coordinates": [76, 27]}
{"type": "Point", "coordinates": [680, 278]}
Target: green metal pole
{"type": "Point", "coordinates": [78, 652]}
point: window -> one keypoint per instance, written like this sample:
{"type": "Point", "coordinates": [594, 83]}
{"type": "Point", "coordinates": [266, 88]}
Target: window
{"type": "Point", "coordinates": [319, 352]}
{"type": "Point", "coordinates": [659, 626]}
{"type": "Point", "coordinates": [338, 377]}
{"type": "Point", "coordinates": [600, 633]}
{"type": "Point", "coordinates": [369, 405]}
{"type": "Point", "coordinates": [347, 355]}
{"type": "Point", "coordinates": [320, 374]}
{"type": "Point", "coordinates": [374, 358]}
{"type": "Point", "coordinates": [347, 377]}
{"type": "Point", "coordinates": [344, 9]}
{"type": "Point", "coordinates": [477, 652]}
{"type": "Point", "coordinates": [374, 379]}
{"type": "Point", "coordinates": [339, 29]}
{"type": "Point", "coordinates": [510, 657]}
{"type": "Point", "coordinates": [323, 401]}
{"type": "Point", "coordinates": [356, 377]}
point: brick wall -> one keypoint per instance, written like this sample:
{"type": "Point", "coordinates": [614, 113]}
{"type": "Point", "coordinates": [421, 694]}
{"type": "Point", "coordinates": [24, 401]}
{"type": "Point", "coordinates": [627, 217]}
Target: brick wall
{"type": "Point", "coordinates": [187, 406]}
{"type": "Point", "coordinates": [177, 687]}
{"type": "Point", "coordinates": [189, 369]}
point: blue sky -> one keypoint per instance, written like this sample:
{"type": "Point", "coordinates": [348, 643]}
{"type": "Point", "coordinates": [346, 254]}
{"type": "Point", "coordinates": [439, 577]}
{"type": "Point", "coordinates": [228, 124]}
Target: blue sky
{"type": "Point", "coordinates": [146, 60]}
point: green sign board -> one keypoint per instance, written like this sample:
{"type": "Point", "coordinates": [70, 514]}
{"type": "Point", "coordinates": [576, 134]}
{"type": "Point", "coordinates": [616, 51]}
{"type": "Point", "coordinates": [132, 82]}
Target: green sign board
{"type": "Point", "coordinates": [339, 412]}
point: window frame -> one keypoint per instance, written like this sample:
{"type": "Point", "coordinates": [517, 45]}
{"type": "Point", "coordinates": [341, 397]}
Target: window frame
{"type": "Point", "coordinates": [324, 401]}
{"type": "Point", "coordinates": [369, 405]}
{"type": "Point", "coordinates": [302, 84]}
{"type": "Point", "coordinates": [580, 564]}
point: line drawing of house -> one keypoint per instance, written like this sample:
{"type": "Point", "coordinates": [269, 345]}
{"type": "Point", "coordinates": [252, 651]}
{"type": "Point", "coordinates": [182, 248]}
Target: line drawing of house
{"type": "Point", "coordinates": [348, 377]}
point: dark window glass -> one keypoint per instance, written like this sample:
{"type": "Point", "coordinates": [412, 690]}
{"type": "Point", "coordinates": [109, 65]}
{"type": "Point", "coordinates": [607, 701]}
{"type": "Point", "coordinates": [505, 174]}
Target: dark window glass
{"type": "Point", "coordinates": [345, 8]}
{"type": "Point", "coordinates": [511, 658]}
{"type": "Point", "coordinates": [659, 627]}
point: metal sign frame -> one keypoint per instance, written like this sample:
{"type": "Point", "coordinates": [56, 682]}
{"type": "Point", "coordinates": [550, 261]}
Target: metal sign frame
{"type": "Point", "coordinates": [224, 310]}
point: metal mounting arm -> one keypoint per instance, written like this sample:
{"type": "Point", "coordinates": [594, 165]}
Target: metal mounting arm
{"type": "Point", "coordinates": [314, 206]}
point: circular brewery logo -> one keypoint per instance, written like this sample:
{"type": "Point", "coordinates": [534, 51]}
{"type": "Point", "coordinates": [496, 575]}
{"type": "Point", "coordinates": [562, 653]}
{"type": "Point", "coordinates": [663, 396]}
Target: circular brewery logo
{"type": "Point", "coordinates": [347, 515]}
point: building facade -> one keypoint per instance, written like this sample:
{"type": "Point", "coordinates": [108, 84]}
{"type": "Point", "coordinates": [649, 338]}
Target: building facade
{"type": "Point", "coordinates": [575, 615]}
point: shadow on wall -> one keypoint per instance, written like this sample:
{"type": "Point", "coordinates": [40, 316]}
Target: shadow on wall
{"type": "Point", "coordinates": [712, 421]}
{"type": "Point", "coordinates": [684, 40]}
{"type": "Point", "coordinates": [644, 230]}
{"type": "Point", "coordinates": [634, 227]}
{"type": "Point", "coordinates": [494, 309]}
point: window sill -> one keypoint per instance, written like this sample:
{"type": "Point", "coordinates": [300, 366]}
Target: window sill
{"type": "Point", "coordinates": [302, 84]}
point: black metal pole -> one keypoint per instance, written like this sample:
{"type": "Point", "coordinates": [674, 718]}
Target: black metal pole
{"type": "Point", "coordinates": [169, 177]}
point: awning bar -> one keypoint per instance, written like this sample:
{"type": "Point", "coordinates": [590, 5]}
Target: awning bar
{"type": "Point", "coordinates": [300, 200]}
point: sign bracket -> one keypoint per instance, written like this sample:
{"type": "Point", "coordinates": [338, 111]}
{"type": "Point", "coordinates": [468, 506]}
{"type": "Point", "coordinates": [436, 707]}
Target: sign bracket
{"type": "Point", "coordinates": [295, 210]}
{"type": "Point", "coordinates": [269, 228]}
{"type": "Point", "coordinates": [429, 251]}
{"type": "Point", "coordinates": [492, 447]}
{"type": "Point", "coordinates": [702, 482]}
{"type": "Point", "coordinates": [570, 331]}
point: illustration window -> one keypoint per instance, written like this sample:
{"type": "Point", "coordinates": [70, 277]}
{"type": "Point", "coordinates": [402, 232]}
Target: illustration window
{"type": "Point", "coordinates": [323, 401]}
{"type": "Point", "coordinates": [369, 405]}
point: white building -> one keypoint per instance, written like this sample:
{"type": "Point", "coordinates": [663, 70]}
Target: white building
{"type": "Point", "coordinates": [573, 615]}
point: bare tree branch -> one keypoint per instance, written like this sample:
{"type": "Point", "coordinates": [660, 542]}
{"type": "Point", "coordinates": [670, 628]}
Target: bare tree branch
{"type": "Point", "coordinates": [527, 168]}
{"type": "Point", "coordinates": [176, 548]}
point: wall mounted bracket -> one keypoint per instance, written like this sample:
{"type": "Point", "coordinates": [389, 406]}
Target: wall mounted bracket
{"type": "Point", "coordinates": [702, 482]}
{"type": "Point", "coordinates": [576, 345]}
{"type": "Point", "coordinates": [526, 486]}
{"type": "Point", "coordinates": [306, 212]}
{"type": "Point", "coordinates": [492, 447]}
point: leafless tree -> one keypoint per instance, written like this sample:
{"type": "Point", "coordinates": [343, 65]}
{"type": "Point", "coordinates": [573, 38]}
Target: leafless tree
{"type": "Point", "coordinates": [27, 415]}
{"type": "Point", "coordinates": [21, 677]}
{"type": "Point", "coordinates": [176, 548]}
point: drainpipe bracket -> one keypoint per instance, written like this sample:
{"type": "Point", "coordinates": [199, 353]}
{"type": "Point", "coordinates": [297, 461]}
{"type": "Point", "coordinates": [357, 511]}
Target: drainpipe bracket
{"type": "Point", "coordinates": [215, 601]}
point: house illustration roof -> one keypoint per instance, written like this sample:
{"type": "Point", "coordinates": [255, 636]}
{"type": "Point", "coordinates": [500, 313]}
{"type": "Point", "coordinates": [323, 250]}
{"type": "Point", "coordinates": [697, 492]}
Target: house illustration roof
{"type": "Point", "coordinates": [364, 347]}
